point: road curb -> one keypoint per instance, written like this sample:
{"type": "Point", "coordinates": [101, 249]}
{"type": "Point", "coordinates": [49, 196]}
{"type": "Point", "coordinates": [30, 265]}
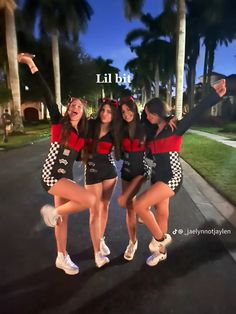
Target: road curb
{"type": "Point", "coordinates": [212, 205]}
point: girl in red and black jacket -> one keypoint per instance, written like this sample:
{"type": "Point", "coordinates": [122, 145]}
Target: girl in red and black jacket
{"type": "Point", "coordinates": [100, 171]}
{"type": "Point", "coordinates": [134, 170]}
{"type": "Point", "coordinates": [67, 139]}
{"type": "Point", "coordinates": [166, 178]}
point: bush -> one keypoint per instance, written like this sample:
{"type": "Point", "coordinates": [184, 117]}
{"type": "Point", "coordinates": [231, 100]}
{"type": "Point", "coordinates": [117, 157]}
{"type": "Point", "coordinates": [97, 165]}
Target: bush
{"type": "Point", "coordinates": [210, 121]}
{"type": "Point", "coordinates": [229, 127]}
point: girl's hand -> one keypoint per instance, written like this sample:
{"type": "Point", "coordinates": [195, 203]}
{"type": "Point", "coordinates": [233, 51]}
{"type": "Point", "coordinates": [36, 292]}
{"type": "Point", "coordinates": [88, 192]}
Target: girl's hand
{"type": "Point", "coordinates": [25, 58]}
{"type": "Point", "coordinates": [220, 87]}
{"type": "Point", "coordinates": [172, 123]}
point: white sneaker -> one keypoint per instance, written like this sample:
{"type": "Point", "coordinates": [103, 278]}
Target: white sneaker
{"type": "Point", "coordinates": [140, 220]}
{"type": "Point", "coordinates": [154, 244]}
{"type": "Point", "coordinates": [65, 263]}
{"type": "Point", "coordinates": [130, 250]}
{"type": "Point", "coordinates": [100, 259]}
{"type": "Point", "coordinates": [50, 215]}
{"type": "Point", "coordinates": [155, 258]}
{"type": "Point", "coordinates": [104, 249]}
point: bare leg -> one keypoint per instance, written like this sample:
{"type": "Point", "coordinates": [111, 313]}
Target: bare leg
{"type": "Point", "coordinates": [162, 214]}
{"type": "Point", "coordinates": [130, 190]}
{"type": "Point", "coordinates": [94, 220]}
{"type": "Point", "coordinates": [130, 214]}
{"type": "Point", "coordinates": [155, 194]}
{"type": "Point", "coordinates": [61, 228]}
{"type": "Point", "coordinates": [80, 198]}
{"type": "Point", "coordinates": [107, 190]}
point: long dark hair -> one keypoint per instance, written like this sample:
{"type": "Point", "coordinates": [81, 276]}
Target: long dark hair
{"type": "Point", "coordinates": [134, 129]}
{"type": "Point", "coordinates": [154, 106]}
{"type": "Point", "coordinates": [157, 106]}
{"type": "Point", "coordinates": [66, 124]}
{"type": "Point", "coordinates": [114, 125]}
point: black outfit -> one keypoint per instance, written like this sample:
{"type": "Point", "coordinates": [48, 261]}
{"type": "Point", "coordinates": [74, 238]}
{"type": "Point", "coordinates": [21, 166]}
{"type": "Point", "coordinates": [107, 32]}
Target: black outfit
{"type": "Point", "coordinates": [61, 156]}
{"type": "Point", "coordinates": [100, 165]}
{"type": "Point", "coordinates": [165, 147]}
{"type": "Point", "coordinates": [134, 158]}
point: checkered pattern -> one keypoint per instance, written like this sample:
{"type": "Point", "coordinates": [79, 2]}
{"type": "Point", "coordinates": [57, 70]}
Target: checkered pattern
{"type": "Point", "coordinates": [48, 165]}
{"type": "Point", "coordinates": [111, 159]}
{"type": "Point", "coordinates": [175, 165]}
{"type": "Point", "coordinates": [147, 168]}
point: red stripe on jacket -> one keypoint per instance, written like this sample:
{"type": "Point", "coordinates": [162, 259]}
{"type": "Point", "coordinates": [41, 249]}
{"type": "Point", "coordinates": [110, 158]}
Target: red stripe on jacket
{"type": "Point", "coordinates": [166, 145]}
{"type": "Point", "coordinates": [75, 142]}
{"type": "Point", "coordinates": [132, 146]}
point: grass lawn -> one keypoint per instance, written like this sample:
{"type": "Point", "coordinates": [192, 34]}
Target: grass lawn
{"type": "Point", "coordinates": [214, 161]}
{"type": "Point", "coordinates": [217, 131]}
{"type": "Point", "coordinates": [32, 133]}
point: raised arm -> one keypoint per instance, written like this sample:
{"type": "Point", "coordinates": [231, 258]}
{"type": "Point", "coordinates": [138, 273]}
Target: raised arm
{"type": "Point", "coordinates": [213, 98]}
{"type": "Point", "coordinates": [46, 92]}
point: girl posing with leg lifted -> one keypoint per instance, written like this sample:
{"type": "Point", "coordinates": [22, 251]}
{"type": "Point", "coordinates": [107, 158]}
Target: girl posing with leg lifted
{"type": "Point", "coordinates": [166, 176]}
{"type": "Point", "coordinates": [67, 140]}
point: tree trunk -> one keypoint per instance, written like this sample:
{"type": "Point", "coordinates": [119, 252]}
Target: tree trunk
{"type": "Point", "coordinates": [169, 93]}
{"type": "Point", "coordinates": [103, 93]}
{"type": "Point", "coordinates": [144, 96]}
{"type": "Point", "coordinates": [204, 81]}
{"type": "Point", "coordinates": [11, 44]}
{"type": "Point", "coordinates": [157, 80]}
{"type": "Point", "coordinates": [191, 85]}
{"type": "Point", "coordinates": [211, 59]}
{"type": "Point", "coordinates": [180, 57]}
{"type": "Point", "coordinates": [56, 68]}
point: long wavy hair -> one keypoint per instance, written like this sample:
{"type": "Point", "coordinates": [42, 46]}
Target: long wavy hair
{"type": "Point", "coordinates": [114, 127]}
{"type": "Point", "coordinates": [67, 126]}
{"type": "Point", "coordinates": [134, 129]}
{"type": "Point", "coordinates": [154, 106]}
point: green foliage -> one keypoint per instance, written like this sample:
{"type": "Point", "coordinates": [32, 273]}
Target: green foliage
{"type": "Point", "coordinates": [5, 95]}
{"type": "Point", "coordinates": [229, 127]}
{"type": "Point", "coordinates": [32, 133]}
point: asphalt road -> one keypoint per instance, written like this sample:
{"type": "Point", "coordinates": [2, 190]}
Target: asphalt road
{"type": "Point", "coordinates": [198, 276]}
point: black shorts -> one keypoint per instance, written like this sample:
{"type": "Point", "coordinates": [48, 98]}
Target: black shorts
{"type": "Point", "coordinates": [134, 165]}
{"type": "Point", "coordinates": [58, 165]}
{"type": "Point", "coordinates": [99, 169]}
{"type": "Point", "coordinates": [167, 169]}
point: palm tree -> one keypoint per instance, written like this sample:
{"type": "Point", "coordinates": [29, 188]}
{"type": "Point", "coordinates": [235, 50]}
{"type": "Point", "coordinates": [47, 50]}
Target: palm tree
{"type": "Point", "coordinates": [219, 28]}
{"type": "Point", "coordinates": [9, 7]}
{"type": "Point", "coordinates": [155, 48]}
{"type": "Point", "coordinates": [180, 50]}
{"type": "Point", "coordinates": [133, 9]}
{"type": "Point", "coordinates": [142, 74]}
{"type": "Point", "coordinates": [63, 18]}
{"type": "Point", "coordinates": [103, 67]}
{"type": "Point", "coordinates": [180, 57]}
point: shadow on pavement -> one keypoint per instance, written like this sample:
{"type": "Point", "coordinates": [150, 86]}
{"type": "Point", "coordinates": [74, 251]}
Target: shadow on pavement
{"type": "Point", "coordinates": [49, 288]}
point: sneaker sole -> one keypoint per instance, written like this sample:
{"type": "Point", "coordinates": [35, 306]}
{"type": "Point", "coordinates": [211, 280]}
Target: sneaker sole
{"type": "Point", "coordinates": [68, 272]}
{"type": "Point", "coordinates": [128, 258]}
{"type": "Point", "coordinates": [153, 251]}
{"type": "Point", "coordinates": [162, 259]}
{"type": "Point", "coordinates": [99, 266]}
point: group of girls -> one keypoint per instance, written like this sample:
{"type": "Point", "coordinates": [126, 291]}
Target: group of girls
{"type": "Point", "coordinates": [115, 133]}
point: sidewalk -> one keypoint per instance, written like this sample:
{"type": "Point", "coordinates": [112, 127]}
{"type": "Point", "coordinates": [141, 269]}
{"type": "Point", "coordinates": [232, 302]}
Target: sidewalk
{"type": "Point", "coordinates": [215, 137]}
{"type": "Point", "coordinates": [211, 204]}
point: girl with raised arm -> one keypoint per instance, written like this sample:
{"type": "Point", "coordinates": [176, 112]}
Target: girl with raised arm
{"type": "Point", "coordinates": [68, 134]}
{"type": "Point", "coordinates": [166, 177]}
